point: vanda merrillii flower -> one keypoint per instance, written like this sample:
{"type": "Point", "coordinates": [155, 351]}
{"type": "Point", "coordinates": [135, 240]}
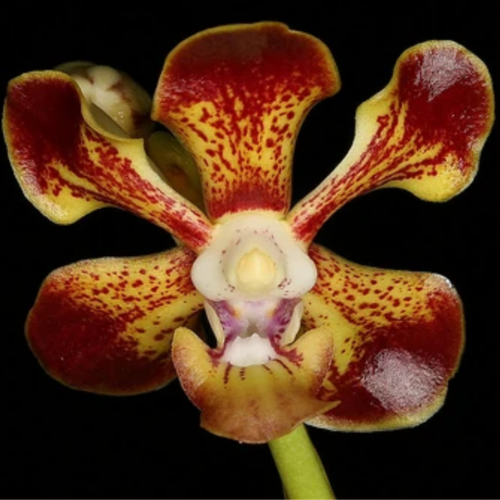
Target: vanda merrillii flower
{"type": "Point", "coordinates": [302, 334]}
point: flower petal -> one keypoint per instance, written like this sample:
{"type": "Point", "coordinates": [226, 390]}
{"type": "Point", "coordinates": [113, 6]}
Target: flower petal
{"type": "Point", "coordinates": [254, 404]}
{"type": "Point", "coordinates": [176, 165]}
{"type": "Point", "coordinates": [106, 325]}
{"type": "Point", "coordinates": [68, 165]}
{"type": "Point", "coordinates": [423, 133]}
{"type": "Point", "coordinates": [236, 96]}
{"type": "Point", "coordinates": [398, 337]}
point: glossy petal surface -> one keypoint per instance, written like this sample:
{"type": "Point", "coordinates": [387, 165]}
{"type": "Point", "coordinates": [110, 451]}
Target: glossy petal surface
{"type": "Point", "coordinates": [69, 166]}
{"type": "Point", "coordinates": [106, 325]}
{"type": "Point", "coordinates": [423, 133]}
{"type": "Point", "coordinates": [257, 403]}
{"type": "Point", "coordinates": [398, 337]}
{"type": "Point", "coordinates": [236, 96]}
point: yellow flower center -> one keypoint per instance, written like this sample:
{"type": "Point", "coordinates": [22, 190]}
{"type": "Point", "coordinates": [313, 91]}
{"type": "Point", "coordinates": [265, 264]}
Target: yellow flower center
{"type": "Point", "coordinates": [255, 271]}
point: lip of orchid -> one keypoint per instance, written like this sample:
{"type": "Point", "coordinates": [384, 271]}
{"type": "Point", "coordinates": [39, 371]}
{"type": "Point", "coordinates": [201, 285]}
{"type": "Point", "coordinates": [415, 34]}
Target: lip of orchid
{"type": "Point", "coordinates": [253, 276]}
{"type": "Point", "coordinates": [252, 332]}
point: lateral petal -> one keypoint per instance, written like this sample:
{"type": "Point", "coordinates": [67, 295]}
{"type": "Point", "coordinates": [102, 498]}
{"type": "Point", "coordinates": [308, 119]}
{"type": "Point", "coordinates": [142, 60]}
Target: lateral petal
{"type": "Point", "coordinates": [106, 325]}
{"type": "Point", "coordinates": [254, 404]}
{"type": "Point", "coordinates": [236, 96]}
{"type": "Point", "coordinates": [68, 165]}
{"type": "Point", "coordinates": [398, 338]}
{"type": "Point", "coordinates": [424, 133]}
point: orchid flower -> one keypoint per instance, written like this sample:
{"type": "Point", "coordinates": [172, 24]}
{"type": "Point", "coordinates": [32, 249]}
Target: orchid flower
{"type": "Point", "coordinates": [302, 335]}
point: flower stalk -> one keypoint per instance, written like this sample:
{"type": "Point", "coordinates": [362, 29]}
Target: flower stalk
{"type": "Point", "coordinates": [299, 466]}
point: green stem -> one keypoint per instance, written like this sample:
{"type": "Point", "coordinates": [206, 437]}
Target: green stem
{"type": "Point", "coordinates": [300, 467]}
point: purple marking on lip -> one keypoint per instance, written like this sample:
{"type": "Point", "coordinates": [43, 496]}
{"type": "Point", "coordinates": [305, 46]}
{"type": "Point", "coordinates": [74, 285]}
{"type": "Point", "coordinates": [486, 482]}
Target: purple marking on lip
{"type": "Point", "coordinates": [250, 317]}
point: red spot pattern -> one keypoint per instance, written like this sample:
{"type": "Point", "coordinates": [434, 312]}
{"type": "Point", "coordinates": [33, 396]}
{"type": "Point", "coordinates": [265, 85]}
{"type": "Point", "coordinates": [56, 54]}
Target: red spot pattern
{"type": "Point", "coordinates": [48, 141]}
{"type": "Point", "coordinates": [255, 86]}
{"type": "Point", "coordinates": [114, 342]}
{"type": "Point", "coordinates": [440, 108]}
{"type": "Point", "coordinates": [427, 329]}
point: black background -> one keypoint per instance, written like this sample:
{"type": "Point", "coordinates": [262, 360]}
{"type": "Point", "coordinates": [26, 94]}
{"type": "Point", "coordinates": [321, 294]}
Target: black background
{"type": "Point", "coordinates": [56, 442]}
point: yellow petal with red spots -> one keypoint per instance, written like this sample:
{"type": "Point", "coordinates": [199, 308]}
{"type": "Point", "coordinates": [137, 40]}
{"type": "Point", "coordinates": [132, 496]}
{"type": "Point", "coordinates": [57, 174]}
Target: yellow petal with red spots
{"type": "Point", "coordinates": [424, 133]}
{"type": "Point", "coordinates": [236, 96]}
{"type": "Point", "coordinates": [257, 403]}
{"type": "Point", "coordinates": [68, 165]}
{"type": "Point", "coordinates": [106, 325]}
{"type": "Point", "coordinates": [398, 337]}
